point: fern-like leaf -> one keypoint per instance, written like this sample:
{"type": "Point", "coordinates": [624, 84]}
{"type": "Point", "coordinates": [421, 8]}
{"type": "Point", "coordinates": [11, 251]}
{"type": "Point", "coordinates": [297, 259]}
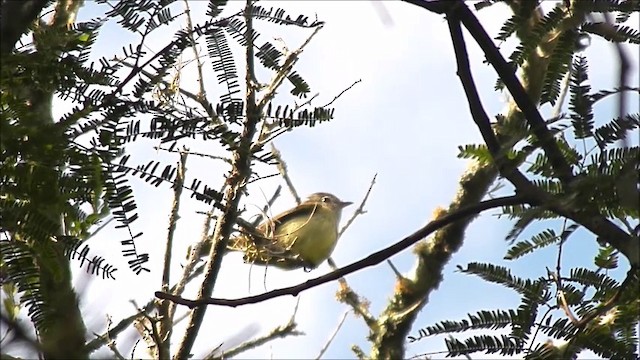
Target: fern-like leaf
{"type": "Point", "coordinates": [607, 258]}
{"type": "Point", "coordinates": [502, 345]}
{"type": "Point", "coordinates": [543, 239]}
{"type": "Point", "coordinates": [580, 103]}
{"type": "Point", "coordinates": [617, 129]}
{"type": "Point", "coordinates": [223, 63]}
{"type": "Point", "coordinates": [613, 32]}
{"type": "Point", "coordinates": [215, 7]}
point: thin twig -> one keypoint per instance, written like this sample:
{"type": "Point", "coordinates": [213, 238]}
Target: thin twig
{"type": "Point", "coordinates": [112, 345]}
{"type": "Point", "coordinates": [333, 335]}
{"type": "Point", "coordinates": [478, 114]}
{"type": "Point", "coordinates": [272, 136]}
{"type": "Point", "coordinates": [191, 262]}
{"type": "Point", "coordinates": [193, 258]}
{"type": "Point", "coordinates": [101, 227]}
{"type": "Point", "coordinates": [282, 168]}
{"type": "Point", "coordinates": [21, 334]}
{"type": "Point", "coordinates": [202, 93]}
{"type": "Point", "coordinates": [345, 293]}
{"type": "Point", "coordinates": [165, 323]}
{"type": "Point", "coordinates": [286, 67]}
{"type": "Point", "coordinates": [518, 93]}
{"type": "Point", "coordinates": [533, 341]}
{"type": "Point", "coordinates": [195, 153]}
{"type": "Point", "coordinates": [394, 269]}
{"type": "Point", "coordinates": [306, 102]}
{"type": "Point", "coordinates": [155, 335]}
{"type": "Point", "coordinates": [204, 103]}
{"type": "Point", "coordinates": [342, 92]}
{"type": "Point", "coordinates": [237, 339]}
{"type": "Point", "coordinates": [558, 280]}
{"type": "Point", "coordinates": [145, 328]}
{"type": "Point", "coordinates": [360, 210]}
{"type": "Point", "coordinates": [266, 208]}
{"type": "Point", "coordinates": [290, 328]}
{"type": "Point", "coordinates": [262, 177]}
{"type": "Point", "coordinates": [112, 332]}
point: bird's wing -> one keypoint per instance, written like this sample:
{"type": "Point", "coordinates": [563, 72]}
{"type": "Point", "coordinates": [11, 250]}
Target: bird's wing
{"type": "Point", "coordinates": [304, 210]}
{"type": "Point", "coordinates": [262, 247]}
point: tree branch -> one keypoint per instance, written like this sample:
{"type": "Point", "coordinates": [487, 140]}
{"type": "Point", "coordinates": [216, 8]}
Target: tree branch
{"type": "Point", "coordinates": [520, 96]}
{"type": "Point", "coordinates": [16, 17]}
{"type": "Point", "coordinates": [598, 224]}
{"type": "Point", "coordinates": [240, 173]}
{"type": "Point", "coordinates": [370, 260]}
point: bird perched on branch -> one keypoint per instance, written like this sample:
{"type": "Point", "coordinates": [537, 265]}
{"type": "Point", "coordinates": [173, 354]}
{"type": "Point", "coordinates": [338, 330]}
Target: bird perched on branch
{"type": "Point", "coordinates": [301, 237]}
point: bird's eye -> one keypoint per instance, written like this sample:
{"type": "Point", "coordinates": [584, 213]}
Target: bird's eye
{"type": "Point", "coordinates": [325, 199]}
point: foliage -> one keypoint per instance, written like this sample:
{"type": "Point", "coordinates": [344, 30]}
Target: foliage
{"type": "Point", "coordinates": [51, 186]}
{"type": "Point", "coordinates": [62, 178]}
{"type": "Point", "coordinates": [605, 183]}
{"type": "Point", "coordinates": [611, 335]}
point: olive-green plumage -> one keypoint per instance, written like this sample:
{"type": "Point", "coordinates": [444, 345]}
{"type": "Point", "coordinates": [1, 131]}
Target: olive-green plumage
{"type": "Point", "coordinates": [303, 236]}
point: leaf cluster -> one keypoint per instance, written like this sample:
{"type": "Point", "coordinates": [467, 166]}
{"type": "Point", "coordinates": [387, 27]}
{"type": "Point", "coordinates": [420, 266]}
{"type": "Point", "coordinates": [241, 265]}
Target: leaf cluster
{"type": "Point", "coordinates": [613, 334]}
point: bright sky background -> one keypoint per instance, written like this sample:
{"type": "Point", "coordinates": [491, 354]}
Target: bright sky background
{"type": "Point", "coordinates": [404, 122]}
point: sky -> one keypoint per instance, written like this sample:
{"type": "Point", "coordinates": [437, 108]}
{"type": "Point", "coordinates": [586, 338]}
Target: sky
{"type": "Point", "coordinates": [404, 122]}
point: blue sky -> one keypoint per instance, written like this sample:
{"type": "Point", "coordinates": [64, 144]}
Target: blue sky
{"type": "Point", "coordinates": [404, 122]}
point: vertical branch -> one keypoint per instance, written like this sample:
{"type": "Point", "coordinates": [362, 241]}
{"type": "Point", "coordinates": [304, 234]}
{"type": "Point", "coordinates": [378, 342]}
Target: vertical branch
{"type": "Point", "coordinates": [165, 323]}
{"type": "Point", "coordinates": [519, 94]}
{"type": "Point", "coordinates": [236, 181]}
{"type": "Point", "coordinates": [238, 175]}
{"type": "Point", "coordinates": [201, 92]}
{"type": "Point", "coordinates": [61, 328]}
{"type": "Point", "coordinates": [250, 75]}
{"type": "Point", "coordinates": [188, 271]}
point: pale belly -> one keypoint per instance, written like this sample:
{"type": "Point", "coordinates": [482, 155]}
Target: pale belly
{"type": "Point", "coordinates": [313, 241]}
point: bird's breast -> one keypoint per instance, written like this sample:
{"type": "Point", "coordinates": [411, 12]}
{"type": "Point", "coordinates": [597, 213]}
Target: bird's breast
{"type": "Point", "coordinates": [313, 238]}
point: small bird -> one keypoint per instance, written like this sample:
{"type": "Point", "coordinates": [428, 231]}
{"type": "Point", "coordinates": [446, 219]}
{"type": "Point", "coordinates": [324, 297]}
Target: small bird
{"type": "Point", "coordinates": [302, 237]}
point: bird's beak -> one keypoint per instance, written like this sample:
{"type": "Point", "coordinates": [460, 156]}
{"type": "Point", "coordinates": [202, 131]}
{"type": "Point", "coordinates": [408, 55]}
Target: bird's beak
{"type": "Point", "coordinates": [344, 204]}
